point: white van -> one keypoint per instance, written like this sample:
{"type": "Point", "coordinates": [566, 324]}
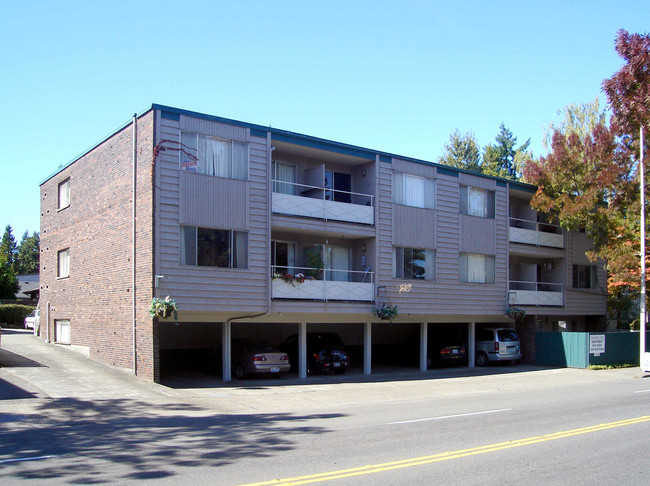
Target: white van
{"type": "Point", "coordinates": [497, 344]}
{"type": "Point", "coordinates": [31, 321]}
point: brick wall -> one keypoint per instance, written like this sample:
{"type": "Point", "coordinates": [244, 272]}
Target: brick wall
{"type": "Point", "coordinates": [97, 228]}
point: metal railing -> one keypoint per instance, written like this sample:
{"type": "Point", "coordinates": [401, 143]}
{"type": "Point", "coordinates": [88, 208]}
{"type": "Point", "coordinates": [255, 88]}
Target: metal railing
{"type": "Point", "coordinates": [327, 274]}
{"type": "Point", "coordinates": [535, 226]}
{"type": "Point", "coordinates": [536, 286]}
{"type": "Point", "coordinates": [324, 193]}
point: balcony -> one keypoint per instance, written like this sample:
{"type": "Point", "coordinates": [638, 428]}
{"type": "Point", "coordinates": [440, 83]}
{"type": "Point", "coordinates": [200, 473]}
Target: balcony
{"type": "Point", "coordinates": [344, 285]}
{"type": "Point", "coordinates": [534, 233]}
{"type": "Point", "coordinates": [536, 294]}
{"type": "Point", "coordinates": [322, 203]}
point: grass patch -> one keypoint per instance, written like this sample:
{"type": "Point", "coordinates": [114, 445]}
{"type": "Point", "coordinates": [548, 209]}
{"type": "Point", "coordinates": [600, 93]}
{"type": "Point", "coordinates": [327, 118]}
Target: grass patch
{"type": "Point", "coordinates": [613, 366]}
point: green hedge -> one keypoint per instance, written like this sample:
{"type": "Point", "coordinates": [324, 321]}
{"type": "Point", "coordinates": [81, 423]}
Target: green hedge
{"type": "Point", "coordinates": [13, 315]}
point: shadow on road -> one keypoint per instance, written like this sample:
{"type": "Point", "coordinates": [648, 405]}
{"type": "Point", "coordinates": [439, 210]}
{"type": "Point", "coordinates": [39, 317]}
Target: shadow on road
{"type": "Point", "coordinates": [147, 441]}
{"type": "Point", "coordinates": [13, 360]}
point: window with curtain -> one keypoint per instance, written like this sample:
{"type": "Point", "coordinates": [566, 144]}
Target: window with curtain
{"type": "Point", "coordinates": [213, 156]}
{"type": "Point", "coordinates": [478, 202]}
{"type": "Point", "coordinates": [284, 178]}
{"type": "Point", "coordinates": [64, 194]}
{"type": "Point", "coordinates": [208, 247]}
{"type": "Point", "coordinates": [414, 263]}
{"type": "Point", "coordinates": [475, 268]}
{"type": "Point", "coordinates": [415, 191]}
{"type": "Point", "coordinates": [585, 277]}
{"type": "Point", "coordinates": [63, 263]}
{"type": "Point", "coordinates": [336, 263]}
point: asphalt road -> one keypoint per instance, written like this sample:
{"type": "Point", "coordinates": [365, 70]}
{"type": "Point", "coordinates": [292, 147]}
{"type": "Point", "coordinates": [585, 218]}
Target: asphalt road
{"type": "Point", "coordinates": [67, 420]}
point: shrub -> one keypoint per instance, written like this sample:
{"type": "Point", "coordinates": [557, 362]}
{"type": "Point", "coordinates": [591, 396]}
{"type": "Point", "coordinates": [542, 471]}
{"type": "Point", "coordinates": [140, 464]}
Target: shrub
{"type": "Point", "coordinates": [13, 315]}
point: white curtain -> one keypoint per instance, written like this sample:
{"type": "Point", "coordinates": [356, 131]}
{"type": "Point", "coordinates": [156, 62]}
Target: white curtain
{"type": "Point", "coordinates": [414, 191]}
{"type": "Point", "coordinates": [477, 203]}
{"type": "Point", "coordinates": [240, 249]}
{"type": "Point", "coordinates": [214, 157]}
{"type": "Point", "coordinates": [337, 258]}
{"type": "Point", "coordinates": [240, 161]}
{"type": "Point", "coordinates": [476, 268]}
{"type": "Point", "coordinates": [284, 173]}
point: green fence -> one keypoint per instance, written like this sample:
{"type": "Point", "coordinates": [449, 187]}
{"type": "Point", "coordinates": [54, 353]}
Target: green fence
{"type": "Point", "coordinates": [581, 349]}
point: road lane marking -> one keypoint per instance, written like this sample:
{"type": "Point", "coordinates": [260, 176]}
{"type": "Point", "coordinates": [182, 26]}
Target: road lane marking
{"type": "Point", "coordinates": [449, 416]}
{"type": "Point", "coordinates": [442, 417]}
{"type": "Point", "coordinates": [642, 391]}
{"type": "Point", "coordinates": [445, 456]}
{"type": "Point", "coordinates": [22, 459]}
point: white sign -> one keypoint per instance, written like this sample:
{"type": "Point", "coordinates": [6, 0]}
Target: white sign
{"type": "Point", "coordinates": [596, 344]}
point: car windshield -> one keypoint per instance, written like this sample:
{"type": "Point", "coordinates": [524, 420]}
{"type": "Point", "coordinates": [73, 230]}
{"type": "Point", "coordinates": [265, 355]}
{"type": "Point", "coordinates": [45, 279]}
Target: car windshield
{"type": "Point", "coordinates": [507, 335]}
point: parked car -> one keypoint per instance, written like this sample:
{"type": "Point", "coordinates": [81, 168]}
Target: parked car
{"type": "Point", "coordinates": [251, 357]}
{"type": "Point", "coordinates": [326, 352]}
{"type": "Point", "coordinates": [441, 351]}
{"type": "Point", "coordinates": [31, 321]}
{"type": "Point", "coordinates": [499, 344]}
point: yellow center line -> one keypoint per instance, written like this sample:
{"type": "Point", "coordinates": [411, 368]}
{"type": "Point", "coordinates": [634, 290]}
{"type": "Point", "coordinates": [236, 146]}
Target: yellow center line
{"type": "Point", "coordinates": [444, 456]}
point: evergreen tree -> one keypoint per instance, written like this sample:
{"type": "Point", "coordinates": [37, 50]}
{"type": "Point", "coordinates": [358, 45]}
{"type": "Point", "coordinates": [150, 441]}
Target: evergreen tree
{"type": "Point", "coordinates": [499, 158]}
{"type": "Point", "coordinates": [27, 258]}
{"type": "Point", "coordinates": [462, 152]}
{"type": "Point", "coordinates": [8, 281]}
{"type": "Point", "coordinates": [8, 247]}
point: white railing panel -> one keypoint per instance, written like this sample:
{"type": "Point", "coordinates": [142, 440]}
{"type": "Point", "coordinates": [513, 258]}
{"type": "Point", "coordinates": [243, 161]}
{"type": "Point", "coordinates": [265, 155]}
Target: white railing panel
{"type": "Point", "coordinates": [529, 233]}
{"type": "Point", "coordinates": [536, 298]}
{"type": "Point", "coordinates": [322, 290]}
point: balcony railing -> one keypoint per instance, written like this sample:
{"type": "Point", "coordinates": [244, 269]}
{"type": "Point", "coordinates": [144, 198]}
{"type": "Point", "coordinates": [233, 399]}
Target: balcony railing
{"type": "Point", "coordinates": [320, 202]}
{"type": "Point", "coordinates": [536, 293]}
{"type": "Point", "coordinates": [314, 284]}
{"type": "Point", "coordinates": [534, 233]}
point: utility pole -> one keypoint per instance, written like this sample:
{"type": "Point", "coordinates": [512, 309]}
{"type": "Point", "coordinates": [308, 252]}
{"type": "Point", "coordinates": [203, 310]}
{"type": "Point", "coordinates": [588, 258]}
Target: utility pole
{"type": "Point", "coordinates": [643, 359]}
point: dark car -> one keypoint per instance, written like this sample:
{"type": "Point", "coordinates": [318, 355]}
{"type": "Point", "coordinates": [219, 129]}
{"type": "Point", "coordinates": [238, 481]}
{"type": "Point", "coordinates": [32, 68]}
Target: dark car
{"type": "Point", "coordinates": [251, 357]}
{"type": "Point", "coordinates": [441, 351]}
{"type": "Point", "coordinates": [326, 352]}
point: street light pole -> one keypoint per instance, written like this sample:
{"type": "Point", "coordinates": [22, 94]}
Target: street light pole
{"type": "Point", "coordinates": [642, 316]}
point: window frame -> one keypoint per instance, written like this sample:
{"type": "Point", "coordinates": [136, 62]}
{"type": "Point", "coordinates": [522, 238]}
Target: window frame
{"type": "Point", "coordinates": [57, 333]}
{"type": "Point", "coordinates": [65, 184]}
{"type": "Point", "coordinates": [63, 263]}
{"type": "Point", "coordinates": [465, 192]}
{"type": "Point", "coordinates": [232, 238]}
{"type": "Point", "coordinates": [400, 190]}
{"type": "Point", "coordinates": [399, 263]}
{"type": "Point", "coordinates": [184, 150]}
{"type": "Point", "coordinates": [593, 276]}
{"type": "Point", "coordinates": [489, 268]}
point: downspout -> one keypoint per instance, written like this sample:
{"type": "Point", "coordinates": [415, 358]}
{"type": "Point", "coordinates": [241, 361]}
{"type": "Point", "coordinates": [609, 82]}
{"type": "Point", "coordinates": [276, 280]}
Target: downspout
{"type": "Point", "coordinates": [133, 240]}
{"type": "Point", "coordinates": [47, 322]}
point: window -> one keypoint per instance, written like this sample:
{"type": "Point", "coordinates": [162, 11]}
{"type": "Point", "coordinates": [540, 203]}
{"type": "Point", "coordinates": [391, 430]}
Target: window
{"type": "Point", "coordinates": [476, 268]}
{"type": "Point", "coordinates": [415, 191]}
{"type": "Point", "coordinates": [62, 331]}
{"type": "Point", "coordinates": [415, 264]}
{"type": "Point", "coordinates": [476, 202]}
{"type": "Point", "coordinates": [585, 277]}
{"type": "Point", "coordinates": [284, 257]}
{"type": "Point", "coordinates": [342, 185]}
{"type": "Point", "coordinates": [63, 263]}
{"type": "Point", "coordinates": [207, 247]}
{"type": "Point", "coordinates": [213, 156]}
{"type": "Point", "coordinates": [284, 178]}
{"type": "Point", "coordinates": [64, 194]}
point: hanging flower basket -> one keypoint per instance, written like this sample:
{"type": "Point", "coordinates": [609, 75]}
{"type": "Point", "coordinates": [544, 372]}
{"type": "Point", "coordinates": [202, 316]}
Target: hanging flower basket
{"type": "Point", "coordinates": [385, 312]}
{"type": "Point", "coordinates": [515, 313]}
{"type": "Point", "coordinates": [163, 308]}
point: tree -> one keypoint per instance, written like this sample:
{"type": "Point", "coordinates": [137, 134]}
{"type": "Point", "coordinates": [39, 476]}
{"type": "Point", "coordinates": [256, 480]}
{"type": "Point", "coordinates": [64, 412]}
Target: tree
{"type": "Point", "coordinates": [590, 178]}
{"type": "Point", "coordinates": [579, 119]}
{"type": "Point", "coordinates": [27, 256]}
{"type": "Point", "coordinates": [8, 247]}
{"type": "Point", "coordinates": [8, 281]}
{"type": "Point", "coordinates": [499, 159]}
{"type": "Point", "coordinates": [462, 152]}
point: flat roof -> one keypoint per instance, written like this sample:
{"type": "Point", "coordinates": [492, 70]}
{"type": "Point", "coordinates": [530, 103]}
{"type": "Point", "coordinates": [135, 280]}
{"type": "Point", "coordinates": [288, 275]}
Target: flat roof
{"type": "Point", "coordinates": [297, 138]}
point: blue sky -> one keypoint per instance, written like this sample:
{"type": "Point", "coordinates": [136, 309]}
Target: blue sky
{"type": "Point", "coordinates": [393, 76]}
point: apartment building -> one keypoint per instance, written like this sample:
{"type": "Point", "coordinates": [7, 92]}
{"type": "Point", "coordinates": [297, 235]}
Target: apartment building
{"type": "Point", "coordinates": [261, 232]}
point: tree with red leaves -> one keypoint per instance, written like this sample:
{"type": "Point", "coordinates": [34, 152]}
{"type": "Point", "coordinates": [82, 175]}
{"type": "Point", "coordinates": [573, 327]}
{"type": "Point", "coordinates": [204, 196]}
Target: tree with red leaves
{"type": "Point", "coordinates": [591, 182]}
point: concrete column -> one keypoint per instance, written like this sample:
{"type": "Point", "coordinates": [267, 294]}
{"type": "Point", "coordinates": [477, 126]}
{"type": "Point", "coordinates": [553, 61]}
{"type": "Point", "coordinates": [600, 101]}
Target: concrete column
{"type": "Point", "coordinates": [424, 341]}
{"type": "Point", "coordinates": [226, 347]}
{"type": "Point", "coordinates": [367, 348]}
{"type": "Point", "coordinates": [302, 350]}
{"type": "Point", "coordinates": [471, 344]}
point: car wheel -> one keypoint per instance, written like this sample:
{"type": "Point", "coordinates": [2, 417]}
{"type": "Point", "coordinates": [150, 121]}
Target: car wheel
{"type": "Point", "coordinates": [240, 374]}
{"type": "Point", "coordinates": [481, 359]}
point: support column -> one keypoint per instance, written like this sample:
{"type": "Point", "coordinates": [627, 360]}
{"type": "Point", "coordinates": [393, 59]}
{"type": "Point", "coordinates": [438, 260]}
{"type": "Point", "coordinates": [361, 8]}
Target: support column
{"type": "Point", "coordinates": [424, 346]}
{"type": "Point", "coordinates": [226, 346]}
{"type": "Point", "coordinates": [367, 348]}
{"type": "Point", "coordinates": [471, 344]}
{"type": "Point", "coordinates": [302, 350]}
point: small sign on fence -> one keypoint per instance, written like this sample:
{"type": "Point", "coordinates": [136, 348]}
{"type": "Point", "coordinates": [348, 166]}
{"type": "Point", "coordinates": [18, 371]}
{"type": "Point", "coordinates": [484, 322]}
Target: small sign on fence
{"type": "Point", "coordinates": [596, 344]}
